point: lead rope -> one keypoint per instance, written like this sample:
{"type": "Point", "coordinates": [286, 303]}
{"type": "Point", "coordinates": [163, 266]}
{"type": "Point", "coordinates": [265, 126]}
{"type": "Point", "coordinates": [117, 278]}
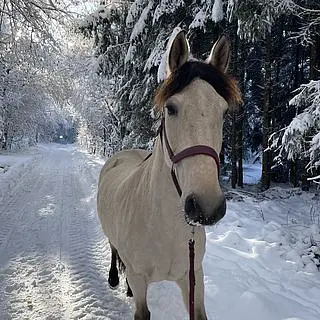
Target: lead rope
{"type": "Point", "coordinates": [192, 281]}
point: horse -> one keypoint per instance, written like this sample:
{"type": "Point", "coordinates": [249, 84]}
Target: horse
{"type": "Point", "coordinates": [151, 204]}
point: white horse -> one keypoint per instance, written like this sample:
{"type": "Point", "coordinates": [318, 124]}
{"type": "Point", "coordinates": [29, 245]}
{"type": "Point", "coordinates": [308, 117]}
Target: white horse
{"type": "Point", "coordinates": [149, 204]}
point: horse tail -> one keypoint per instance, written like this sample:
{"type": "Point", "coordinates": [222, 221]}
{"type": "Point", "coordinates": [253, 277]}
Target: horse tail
{"type": "Point", "coordinates": [116, 263]}
{"type": "Point", "coordinates": [113, 272]}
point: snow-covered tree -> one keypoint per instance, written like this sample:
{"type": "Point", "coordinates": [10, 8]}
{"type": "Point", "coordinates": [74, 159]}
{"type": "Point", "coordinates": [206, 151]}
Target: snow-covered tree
{"type": "Point", "coordinates": [30, 82]}
{"type": "Point", "coordinates": [278, 27]}
{"type": "Point", "coordinates": [90, 99]}
{"type": "Point", "coordinates": [270, 59]}
{"type": "Point", "coordinates": [131, 50]}
{"type": "Point", "coordinates": [301, 139]}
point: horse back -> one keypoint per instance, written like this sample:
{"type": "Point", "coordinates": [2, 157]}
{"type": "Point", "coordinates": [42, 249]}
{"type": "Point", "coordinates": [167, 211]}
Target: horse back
{"type": "Point", "coordinates": [124, 161]}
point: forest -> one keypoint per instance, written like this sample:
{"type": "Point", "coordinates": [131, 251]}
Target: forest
{"type": "Point", "coordinates": [78, 81]}
{"type": "Point", "coordinates": [90, 75]}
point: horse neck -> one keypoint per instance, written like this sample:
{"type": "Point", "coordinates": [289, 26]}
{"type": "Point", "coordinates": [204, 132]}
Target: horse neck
{"type": "Point", "coordinates": [164, 196]}
{"type": "Point", "coordinates": [160, 175]}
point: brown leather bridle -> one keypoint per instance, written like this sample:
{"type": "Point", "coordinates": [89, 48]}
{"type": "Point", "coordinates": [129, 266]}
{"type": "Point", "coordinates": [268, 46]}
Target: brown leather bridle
{"type": "Point", "coordinates": [185, 153]}
{"type": "Point", "coordinates": [175, 158]}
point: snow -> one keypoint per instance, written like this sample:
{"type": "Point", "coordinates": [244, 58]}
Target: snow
{"type": "Point", "coordinates": [304, 127]}
{"type": "Point", "coordinates": [162, 69]}
{"type": "Point", "coordinates": [155, 57]}
{"type": "Point", "coordinates": [217, 11]}
{"type": "Point", "coordinates": [138, 30]}
{"type": "Point", "coordinates": [252, 173]}
{"type": "Point", "coordinates": [166, 7]}
{"type": "Point", "coordinates": [134, 11]}
{"type": "Point", "coordinates": [140, 25]}
{"type": "Point", "coordinates": [12, 167]}
{"type": "Point", "coordinates": [261, 259]}
{"type": "Point", "coordinates": [199, 20]}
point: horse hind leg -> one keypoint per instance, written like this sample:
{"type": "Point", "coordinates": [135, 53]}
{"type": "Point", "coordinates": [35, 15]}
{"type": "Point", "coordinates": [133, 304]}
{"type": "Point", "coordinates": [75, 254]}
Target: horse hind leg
{"type": "Point", "coordinates": [113, 278]}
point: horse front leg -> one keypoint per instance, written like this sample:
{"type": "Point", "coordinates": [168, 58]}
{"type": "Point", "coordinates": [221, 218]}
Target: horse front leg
{"type": "Point", "coordinates": [199, 309]}
{"type": "Point", "coordinates": [139, 287]}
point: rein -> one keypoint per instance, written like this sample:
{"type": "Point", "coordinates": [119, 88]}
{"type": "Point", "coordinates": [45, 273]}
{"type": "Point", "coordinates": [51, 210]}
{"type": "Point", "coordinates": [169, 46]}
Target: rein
{"type": "Point", "coordinates": [192, 280]}
{"type": "Point", "coordinates": [176, 158]}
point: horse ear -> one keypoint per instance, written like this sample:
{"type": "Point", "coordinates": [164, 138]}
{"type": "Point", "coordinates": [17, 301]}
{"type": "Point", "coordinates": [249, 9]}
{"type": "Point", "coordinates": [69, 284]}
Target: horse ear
{"type": "Point", "coordinates": [178, 52]}
{"type": "Point", "coordinates": [220, 54]}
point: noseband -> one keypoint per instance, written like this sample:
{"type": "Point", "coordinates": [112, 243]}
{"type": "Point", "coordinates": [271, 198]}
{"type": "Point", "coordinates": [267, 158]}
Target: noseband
{"type": "Point", "coordinates": [185, 153]}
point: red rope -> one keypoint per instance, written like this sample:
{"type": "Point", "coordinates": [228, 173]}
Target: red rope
{"type": "Point", "coordinates": [191, 279]}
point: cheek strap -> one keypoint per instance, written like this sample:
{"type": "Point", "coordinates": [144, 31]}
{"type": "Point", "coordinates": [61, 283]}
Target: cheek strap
{"type": "Point", "coordinates": [185, 153]}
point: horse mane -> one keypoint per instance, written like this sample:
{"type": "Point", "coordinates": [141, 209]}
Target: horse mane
{"type": "Point", "coordinates": [225, 85]}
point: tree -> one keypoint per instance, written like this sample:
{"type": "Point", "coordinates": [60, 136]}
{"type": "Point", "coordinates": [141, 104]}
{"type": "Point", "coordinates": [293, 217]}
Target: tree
{"type": "Point", "coordinates": [271, 59]}
{"type": "Point", "coordinates": [141, 45]}
{"type": "Point", "coordinates": [301, 139]}
{"type": "Point", "coordinates": [28, 72]}
{"type": "Point", "coordinates": [297, 143]}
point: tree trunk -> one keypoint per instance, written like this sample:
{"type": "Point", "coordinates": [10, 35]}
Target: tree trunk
{"type": "Point", "coordinates": [234, 171]}
{"type": "Point", "coordinates": [297, 74]}
{"type": "Point", "coordinates": [240, 147]}
{"type": "Point", "coordinates": [5, 139]}
{"type": "Point", "coordinates": [222, 155]}
{"type": "Point", "coordinates": [104, 141]}
{"type": "Point", "coordinates": [5, 142]}
{"type": "Point", "coordinates": [305, 183]}
{"type": "Point", "coordinates": [314, 75]}
{"type": "Point", "coordinates": [234, 125]}
{"type": "Point", "coordinates": [315, 58]}
{"type": "Point", "coordinates": [293, 173]}
{"type": "Point", "coordinates": [266, 123]}
{"type": "Point", "coordinates": [240, 117]}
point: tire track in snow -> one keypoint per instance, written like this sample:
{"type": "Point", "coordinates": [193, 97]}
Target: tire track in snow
{"type": "Point", "coordinates": [54, 257]}
{"type": "Point", "coordinates": [13, 205]}
{"type": "Point", "coordinates": [89, 257]}
{"type": "Point", "coordinates": [32, 274]}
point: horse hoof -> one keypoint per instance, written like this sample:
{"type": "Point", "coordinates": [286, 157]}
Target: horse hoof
{"type": "Point", "coordinates": [113, 283]}
{"type": "Point", "coordinates": [129, 293]}
{"type": "Point", "coordinates": [113, 287]}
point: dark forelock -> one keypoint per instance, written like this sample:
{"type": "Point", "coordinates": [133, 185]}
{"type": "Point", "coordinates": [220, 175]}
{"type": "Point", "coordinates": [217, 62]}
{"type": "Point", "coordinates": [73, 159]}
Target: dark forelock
{"type": "Point", "coordinates": [224, 84]}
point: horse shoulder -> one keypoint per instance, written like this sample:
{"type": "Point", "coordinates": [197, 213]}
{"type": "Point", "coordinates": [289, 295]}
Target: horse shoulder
{"type": "Point", "coordinates": [116, 191]}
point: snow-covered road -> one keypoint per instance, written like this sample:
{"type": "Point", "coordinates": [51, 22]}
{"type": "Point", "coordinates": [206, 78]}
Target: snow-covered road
{"type": "Point", "coordinates": [54, 257]}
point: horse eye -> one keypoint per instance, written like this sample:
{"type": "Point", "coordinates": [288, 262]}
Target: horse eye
{"type": "Point", "coordinates": [172, 110]}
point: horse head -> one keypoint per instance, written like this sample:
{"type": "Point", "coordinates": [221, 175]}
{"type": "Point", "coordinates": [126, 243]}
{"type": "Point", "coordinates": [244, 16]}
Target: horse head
{"type": "Point", "coordinates": [193, 101]}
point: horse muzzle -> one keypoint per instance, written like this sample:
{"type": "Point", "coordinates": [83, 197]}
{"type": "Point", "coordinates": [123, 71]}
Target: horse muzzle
{"type": "Point", "coordinates": [196, 213]}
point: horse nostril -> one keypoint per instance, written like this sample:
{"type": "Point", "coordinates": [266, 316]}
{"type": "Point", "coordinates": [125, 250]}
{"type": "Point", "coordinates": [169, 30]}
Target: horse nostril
{"type": "Point", "coordinates": [196, 214]}
{"type": "Point", "coordinates": [192, 208]}
{"type": "Point", "coordinates": [191, 204]}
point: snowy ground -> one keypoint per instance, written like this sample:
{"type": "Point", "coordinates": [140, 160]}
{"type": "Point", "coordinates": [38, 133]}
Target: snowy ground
{"type": "Point", "coordinates": [54, 258]}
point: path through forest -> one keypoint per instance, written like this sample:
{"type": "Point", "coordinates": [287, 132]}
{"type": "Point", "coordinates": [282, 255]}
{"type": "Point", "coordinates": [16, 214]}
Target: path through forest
{"type": "Point", "coordinates": [54, 257]}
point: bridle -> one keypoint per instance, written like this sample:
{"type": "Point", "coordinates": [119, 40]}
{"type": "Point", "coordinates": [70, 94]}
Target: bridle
{"type": "Point", "coordinates": [185, 153]}
{"type": "Point", "coordinates": [176, 158]}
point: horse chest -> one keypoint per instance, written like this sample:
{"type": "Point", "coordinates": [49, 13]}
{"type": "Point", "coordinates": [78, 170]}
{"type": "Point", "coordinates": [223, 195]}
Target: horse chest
{"type": "Point", "coordinates": [163, 256]}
